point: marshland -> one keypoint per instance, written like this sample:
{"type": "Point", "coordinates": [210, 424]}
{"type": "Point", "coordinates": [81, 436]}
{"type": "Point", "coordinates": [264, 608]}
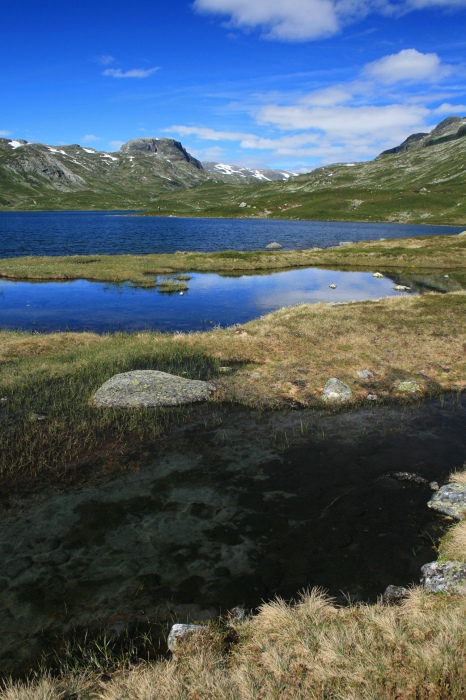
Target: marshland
{"type": "Point", "coordinates": [296, 641]}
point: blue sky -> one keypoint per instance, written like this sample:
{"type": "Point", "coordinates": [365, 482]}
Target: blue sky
{"type": "Point", "coordinates": [266, 83]}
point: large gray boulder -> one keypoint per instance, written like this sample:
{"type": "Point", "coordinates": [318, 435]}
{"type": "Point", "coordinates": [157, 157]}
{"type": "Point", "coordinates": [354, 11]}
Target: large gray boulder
{"type": "Point", "coordinates": [336, 391]}
{"type": "Point", "coordinates": [147, 387]}
{"type": "Point", "coordinates": [450, 500]}
{"type": "Point", "coordinates": [449, 577]}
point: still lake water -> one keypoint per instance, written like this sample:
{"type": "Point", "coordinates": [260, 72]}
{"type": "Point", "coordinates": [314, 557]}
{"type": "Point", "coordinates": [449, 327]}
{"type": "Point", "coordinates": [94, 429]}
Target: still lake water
{"type": "Point", "coordinates": [211, 299]}
{"type": "Point", "coordinates": [91, 233]}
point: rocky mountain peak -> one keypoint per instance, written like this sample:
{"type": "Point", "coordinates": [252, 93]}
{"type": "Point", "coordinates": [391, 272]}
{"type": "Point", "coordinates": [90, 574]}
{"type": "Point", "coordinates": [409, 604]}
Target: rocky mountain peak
{"type": "Point", "coordinates": [168, 149]}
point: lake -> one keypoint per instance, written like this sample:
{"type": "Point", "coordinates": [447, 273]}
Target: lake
{"type": "Point", "coordinates": [105, 233]}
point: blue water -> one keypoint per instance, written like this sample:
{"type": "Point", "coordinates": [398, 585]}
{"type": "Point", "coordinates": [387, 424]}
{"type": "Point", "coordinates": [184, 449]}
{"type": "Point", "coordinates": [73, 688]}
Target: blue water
{"type": "Point", "coordinates": [211, 300]}
{"type": "Point", "coordinates": [91, 233]}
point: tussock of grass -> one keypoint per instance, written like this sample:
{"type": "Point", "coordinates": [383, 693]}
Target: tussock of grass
{"type": "Point", "coordinates": [446, 253]}
{"type": "Point", "coordinates": [310, 650]}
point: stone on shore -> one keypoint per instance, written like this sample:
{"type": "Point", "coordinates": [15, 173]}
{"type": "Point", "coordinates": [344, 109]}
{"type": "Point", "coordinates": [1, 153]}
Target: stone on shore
{"type": "Point", "coordinates": [449, 577]}
{"type": "Point", "coordinates": [336, 391]}
{"type": "Point", "coordinates": [144, 388]}
{"type": "Point", "coordinates": [179, 631]}
{"type": "Point", "coordinates": [408, 387]}
{"type": "Point", "coordinates": [394, 594]}
{"type": "Point", "coordinates": [450, 500]}
{"type": "Point", "coordinates": [274, 246]}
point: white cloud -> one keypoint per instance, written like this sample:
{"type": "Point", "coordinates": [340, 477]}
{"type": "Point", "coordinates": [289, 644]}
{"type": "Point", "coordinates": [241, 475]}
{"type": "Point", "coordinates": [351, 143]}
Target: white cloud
{"type": "Point", "coordinates": [89, 138]}
{"type": "Point", "coordinates": [5, 132]}
{"type": "Point", "coordinates": [133, 73]}
{"type": "Point", "coordinates": [447, 108]}
{"type": "Point", "coordinates": [294, 20]}
{"type": "Point", "coordinates": [303, 20]}
{"type": "Point", "coordinates": [408, 65]}
{"type": "Point", "coordinates": [205, 133]}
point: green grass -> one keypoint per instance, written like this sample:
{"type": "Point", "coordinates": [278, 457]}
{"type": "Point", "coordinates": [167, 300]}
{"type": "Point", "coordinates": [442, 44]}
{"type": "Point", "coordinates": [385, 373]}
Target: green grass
{"type": "Point", "coordinates": [443, 253]}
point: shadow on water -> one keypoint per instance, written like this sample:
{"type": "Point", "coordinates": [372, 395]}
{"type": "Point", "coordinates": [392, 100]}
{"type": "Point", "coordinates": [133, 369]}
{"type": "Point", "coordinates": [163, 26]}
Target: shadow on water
{"type": "Point", "coordinates": [240, 507]}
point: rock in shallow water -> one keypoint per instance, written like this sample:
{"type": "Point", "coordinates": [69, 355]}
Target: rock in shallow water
{"type": "Point", "coordinates": [144, 388]}
{"type": "Point", "coordinates": [450, 500]}
{"type": "Point", "coordinates": [449, 577]}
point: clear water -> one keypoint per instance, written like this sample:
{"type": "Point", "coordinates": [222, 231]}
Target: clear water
{"type": "Point", "coordinates": [211, 300]}
{"type": "Point", "coordinates": [90, 233]}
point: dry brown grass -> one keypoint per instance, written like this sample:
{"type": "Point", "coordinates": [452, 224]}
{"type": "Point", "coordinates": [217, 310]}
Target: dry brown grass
{"type": "Point", "coordinates": [310, 650]}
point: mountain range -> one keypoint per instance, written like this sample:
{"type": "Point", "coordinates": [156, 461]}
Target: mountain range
{"type": "Point", "coordinates": [35, 175]}
{"type": "Point", "coordinates": [423, 180]}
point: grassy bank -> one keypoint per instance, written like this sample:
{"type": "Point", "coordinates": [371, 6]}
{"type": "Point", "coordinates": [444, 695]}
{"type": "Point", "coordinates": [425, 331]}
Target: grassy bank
{"type": "Point", "coordinates": [49, 426]}
{"type": "Point", "coordinates": [446, 253]}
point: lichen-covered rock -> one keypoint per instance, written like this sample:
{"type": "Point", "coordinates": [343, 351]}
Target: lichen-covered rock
{"type": "Point", "coordinates": [449, 577]}
{"type": "Point", "coordinates": [144, 388]}
{"type": "Point", "coordinates": [450, 500]}
{"type": "Point", "coordinates": [365, 374]}
{"type": "Point", "coordinates": [274, 246]}
{"type": "Point", "coordinates": [336, 391]}
{"type": "Point", "coordinates": [179, 631]}
{"type": "Point", "coordinates": [407, 387]}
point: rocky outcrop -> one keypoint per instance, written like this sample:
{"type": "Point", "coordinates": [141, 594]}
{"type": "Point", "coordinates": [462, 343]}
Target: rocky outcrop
{"type": "Point", "coordinates": [168, 149]}
{"type": "Point", "coordinates": [144, 388]}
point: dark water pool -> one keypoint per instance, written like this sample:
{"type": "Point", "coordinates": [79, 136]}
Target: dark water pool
{"type": "Point", "coordinates": [238, 508]}
{"type": "Point", "coordinates": [210, 300]}
{"type": "Point", "coordinates": [91, 233]}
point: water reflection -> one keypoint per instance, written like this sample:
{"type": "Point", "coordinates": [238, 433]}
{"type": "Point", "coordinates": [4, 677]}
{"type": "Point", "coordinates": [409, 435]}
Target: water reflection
{"type": "Point", "coordinates": [210, 300]}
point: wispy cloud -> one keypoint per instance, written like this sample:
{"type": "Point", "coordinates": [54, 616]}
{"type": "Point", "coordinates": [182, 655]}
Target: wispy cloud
{"type": "Point", "coordinates": [5, 132]}
{"type": "Point", "coordinates": [90, 138]}
{"type": "Point", "coordinates": [105, 59]}
{"type": "Point", "coordinates": [116, 144]}
{"type": "Point", "coordinates": [305, 20]}
{"type": "Point", "coordinates": [132, 73]}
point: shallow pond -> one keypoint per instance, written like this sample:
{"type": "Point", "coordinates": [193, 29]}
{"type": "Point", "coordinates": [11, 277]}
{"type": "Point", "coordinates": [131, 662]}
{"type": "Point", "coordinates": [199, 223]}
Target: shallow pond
{"type": "Point", "coordinates": [238, 508]}
{"type": "Point", "coordinates": [211, 300]}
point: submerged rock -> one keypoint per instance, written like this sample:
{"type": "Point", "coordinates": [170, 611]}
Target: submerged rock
{"type": "Point", "coordinates": [409, 476]}
{"type": "Point", "coordinates": [179, 631]}
{"type": "Point", "coordinates": [336, 390]}
{"type": "Point", "coordinates": [150, 388]}
{"type": "Point", "coordinates": [450, 500]}
{"type": "Point", "coordinates": [449, 577]}
{"type": "Point", "coordinates": [401, 288]}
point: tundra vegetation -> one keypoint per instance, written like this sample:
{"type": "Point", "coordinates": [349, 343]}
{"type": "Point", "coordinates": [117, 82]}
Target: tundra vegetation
{"type": "Point", "coordinates": [309, 648]}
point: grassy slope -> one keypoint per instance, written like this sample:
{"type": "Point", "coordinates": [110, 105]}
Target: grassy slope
{"type": "Point", "coordinates": [424, 185]}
